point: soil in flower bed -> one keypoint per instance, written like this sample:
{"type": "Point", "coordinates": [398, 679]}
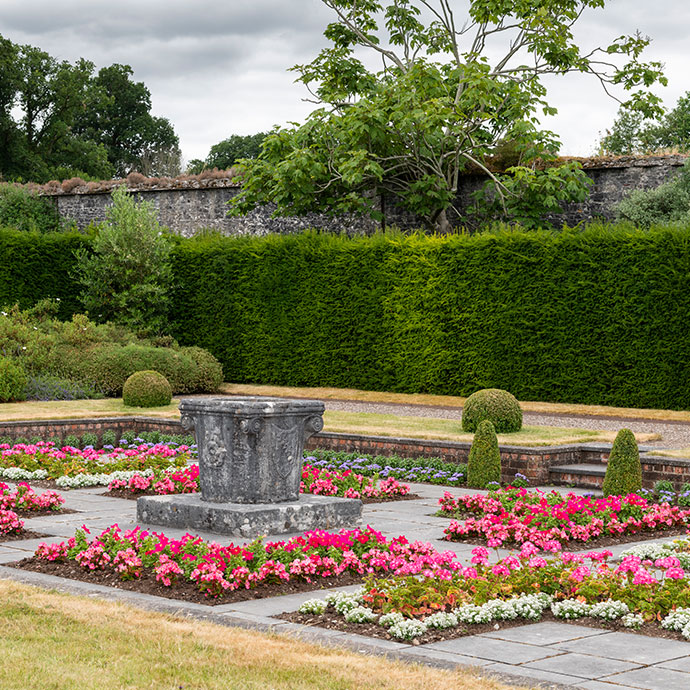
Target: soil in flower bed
{"type": "Point", "coordinates": [182, 590]}
{"type": "Point", "coordinates": [23, 534]}
{"type": "Point", "coordinates": [25, 514]}
{"type": "Point", "coordinates": [333, 621]}
{"type": "Point", "coordinates": [124, 493]}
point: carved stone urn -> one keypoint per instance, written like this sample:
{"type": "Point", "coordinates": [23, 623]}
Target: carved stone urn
{"type": "Point", "coordinates": [250, 449]}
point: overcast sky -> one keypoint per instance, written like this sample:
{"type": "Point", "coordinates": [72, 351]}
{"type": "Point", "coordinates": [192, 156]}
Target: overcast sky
{"type": "Point", "coordinates": [218, 67]}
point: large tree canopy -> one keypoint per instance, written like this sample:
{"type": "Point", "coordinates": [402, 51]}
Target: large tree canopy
{"type": "Point", "coordinates": [59, 120]}
{"type": "Point", "coordinates": [447, 90]}
{"type": "Point", "coordinates": [632, 133]}
{"type": "Point", "coordinates": [226, 153]}
{"type": "Point", "coordinates": [118, 115]}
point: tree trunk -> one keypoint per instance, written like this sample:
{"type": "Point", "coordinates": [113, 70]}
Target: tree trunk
{"type": "Point", "coordinates": [442, 224]}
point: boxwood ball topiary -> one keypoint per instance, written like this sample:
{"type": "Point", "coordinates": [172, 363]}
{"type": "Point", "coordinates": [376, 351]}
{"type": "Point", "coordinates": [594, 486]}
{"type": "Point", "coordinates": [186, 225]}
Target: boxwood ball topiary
{"type": "Point", "coordinates": [500, 407]}
{"type": "Point", "coordinates": [146, 389]}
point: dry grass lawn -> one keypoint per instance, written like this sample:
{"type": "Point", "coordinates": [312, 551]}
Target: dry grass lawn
{"type": "Point", "coordinates": [77, 409]}
{"type": "Point", "coordinates": [450, 430]}
{"type": "Point", "coordinates": [450, 401]}
{"type": "Point", "coordinates": [344, 422]}
{"type": "Point", "coordinates": [56, 641]}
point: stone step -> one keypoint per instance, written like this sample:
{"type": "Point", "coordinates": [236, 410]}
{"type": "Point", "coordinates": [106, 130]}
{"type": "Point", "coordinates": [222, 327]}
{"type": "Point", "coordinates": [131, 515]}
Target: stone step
{"type": "Point", "coordinates": [585, 475]}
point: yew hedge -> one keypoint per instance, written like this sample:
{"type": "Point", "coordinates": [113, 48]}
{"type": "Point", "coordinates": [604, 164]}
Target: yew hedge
{"type": "Point", "coordinates": [595, 315]}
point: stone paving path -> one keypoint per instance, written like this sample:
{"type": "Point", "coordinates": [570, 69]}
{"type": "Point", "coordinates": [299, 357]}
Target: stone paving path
{"type": "Point", "coordinates": [547, 655]}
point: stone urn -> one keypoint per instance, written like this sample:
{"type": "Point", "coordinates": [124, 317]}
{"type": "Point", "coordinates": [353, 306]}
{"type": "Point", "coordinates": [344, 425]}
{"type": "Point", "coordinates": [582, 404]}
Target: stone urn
{"type": "Point", "coordinates": [250, 449]}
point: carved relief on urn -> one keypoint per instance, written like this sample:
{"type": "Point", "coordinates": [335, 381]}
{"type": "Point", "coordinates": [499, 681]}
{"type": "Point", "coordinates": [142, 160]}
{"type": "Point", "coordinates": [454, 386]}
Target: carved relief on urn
{"type": "Point", "coordinates": [250, 449]}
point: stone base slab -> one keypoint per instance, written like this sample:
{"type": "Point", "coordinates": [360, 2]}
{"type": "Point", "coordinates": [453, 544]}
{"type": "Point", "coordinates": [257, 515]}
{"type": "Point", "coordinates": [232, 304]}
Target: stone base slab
{"type": "Point", "coordinates": [189, 511]}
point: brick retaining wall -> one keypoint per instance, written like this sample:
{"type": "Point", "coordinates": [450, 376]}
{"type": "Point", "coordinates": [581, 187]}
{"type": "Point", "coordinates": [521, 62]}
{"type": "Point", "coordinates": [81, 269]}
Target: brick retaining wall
{"type": "Point", "coordinates": [534, 463]}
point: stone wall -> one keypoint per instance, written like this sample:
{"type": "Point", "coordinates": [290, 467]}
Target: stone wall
{"type": "Point", "coordinates": [186, 209]}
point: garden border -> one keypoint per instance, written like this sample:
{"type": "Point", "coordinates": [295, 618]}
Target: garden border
{"type": "Point", "coordinates": [533, 462]}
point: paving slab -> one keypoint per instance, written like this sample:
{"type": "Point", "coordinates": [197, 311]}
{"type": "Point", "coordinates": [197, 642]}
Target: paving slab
{"type": "Point", "coordinates": [582, 665]}
{"type": "Point", "coordinates": [628, 647]}
{"type": "Point", "coordinates": [680, 664]}
{"type": "Point", "coordinates": [494, 650]}
{"type": "Point", "coordinates": [604, 685]}
{"type": "Point", "coordinates": [653, 678]}
{"type": "Point", "coordinates": [289, 602]}
{"type": "Point", "coordinates": [423, 654]}
{"type": "Point", "coordinates": [535, 677]}
{"type": "Point", "coordinates": [545, 633]}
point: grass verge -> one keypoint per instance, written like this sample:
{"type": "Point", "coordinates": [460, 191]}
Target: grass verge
{"type": "Point", "coordinates": [450, 430]}
{"type": "Point", "coordinates": [451, 401]}
{"type": "Point", "coordinates": [344, 422]}
{"type": "Point", "coordinates": [79, 409]}
{"type": "Point", "coordinates": [58, 642]}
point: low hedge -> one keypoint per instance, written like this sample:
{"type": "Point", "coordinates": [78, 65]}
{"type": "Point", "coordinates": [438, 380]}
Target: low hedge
{"type": "Point", "coordinates": [107, 367]}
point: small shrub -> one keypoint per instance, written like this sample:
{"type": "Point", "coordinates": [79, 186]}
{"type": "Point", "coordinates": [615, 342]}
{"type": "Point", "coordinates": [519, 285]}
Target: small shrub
{"type": "Point", "coordinates": [108, 366]}
{"type": "Point", "coordinates": [147, 389]}
{"type": "Point", "coordinates": [500, 407]}
{"type": "Point", "coordinates": [128, 436]}
{"type": "Point", "coordinates": [89, 439]}
{"type": "Point", "coordinates": [47, 387]}
{"type": "Point", "coordinates": [108, 438]}
{"type": "Point", "coordinates": [12, 380]}
{"type": "Point", "coordinates": [208, 373]}
{"type": "Point", "coordinates": [71, 440]}
{"type": "Point", "coordinates": [667, 203]}
{"type": "Point", "coordinates": [663, 485]}
{"type": "Point", "coordinates": [484, 464]}
{"type": "Point", "coordinates": [624, 471]}
{"type": "Point", "coordinates": [25, 210]}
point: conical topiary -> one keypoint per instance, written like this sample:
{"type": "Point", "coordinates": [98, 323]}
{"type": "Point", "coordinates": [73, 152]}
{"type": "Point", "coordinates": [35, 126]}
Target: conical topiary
{"type": "Point", "coordinates": [624, 471]}
{"type": "Point", "coordinates": [484, 464]}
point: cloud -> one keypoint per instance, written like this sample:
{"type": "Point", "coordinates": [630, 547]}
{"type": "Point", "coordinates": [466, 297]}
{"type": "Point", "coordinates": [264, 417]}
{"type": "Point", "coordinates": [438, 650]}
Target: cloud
{"type": "Point", "coordinates": [219, 67]}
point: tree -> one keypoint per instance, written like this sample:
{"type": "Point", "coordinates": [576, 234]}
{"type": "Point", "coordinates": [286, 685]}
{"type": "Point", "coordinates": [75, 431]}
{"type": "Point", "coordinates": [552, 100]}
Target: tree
{"type": "Point", "coordinates": [127, 274]}
{"type": "Point", "coordinates": [226, 153]}
{"type": "Point", "coordinates": [117, 115]}
{"type": "Point", "coordinates": [439, 104]}
{"type": "Point", "coordinates": [631, 133]}
{"type": "Point", "coordinates": [39, 100]}
{"type": "Point", "coordinates": [58, 120]}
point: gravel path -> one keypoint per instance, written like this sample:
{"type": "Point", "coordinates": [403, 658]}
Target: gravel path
{"type": "Point", "coordinates": [673, 434]}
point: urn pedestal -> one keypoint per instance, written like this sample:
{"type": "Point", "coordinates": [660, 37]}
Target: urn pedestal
{"type": "Point", "coordinates": [250, 468]}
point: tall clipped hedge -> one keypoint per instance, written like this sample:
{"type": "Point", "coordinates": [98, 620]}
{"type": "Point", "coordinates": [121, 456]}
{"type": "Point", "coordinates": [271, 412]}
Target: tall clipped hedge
{"type": "Point", "coordinates": [34, 266]}
{"type": "Point", "coordinates": [595, 316]}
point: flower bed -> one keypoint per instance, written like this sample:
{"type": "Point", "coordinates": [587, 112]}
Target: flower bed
{"type": "Point", "coordinates": [314, 480]}
{"type": "Point", "coordinates": [24, 501]}
{"type": "Point", "coordinates": [428, 470]}
{"type": "Point", "coordinates": [551, 520]}
{"type": "Point", "coordinates": [72, 467]}
{"type": "Point", "coordinates": [193, 569]}
{"type": "Point", "coordinates": [446, 603]}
